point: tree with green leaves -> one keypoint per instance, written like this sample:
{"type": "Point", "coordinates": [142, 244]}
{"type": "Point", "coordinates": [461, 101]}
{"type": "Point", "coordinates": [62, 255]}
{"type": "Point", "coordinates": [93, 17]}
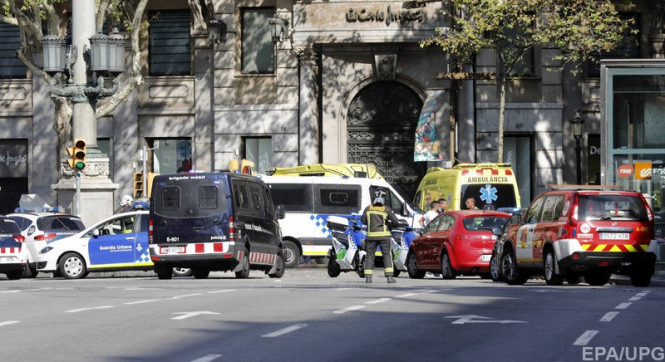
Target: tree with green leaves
{"type": "Point", "coordinates": [37, 18]}
{"type": "Point", "coordinates": [581, 29]}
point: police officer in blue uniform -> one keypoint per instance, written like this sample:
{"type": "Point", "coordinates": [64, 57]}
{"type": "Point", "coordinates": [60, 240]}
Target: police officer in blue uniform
{"type": "Point", "coordinates": [378, 217]}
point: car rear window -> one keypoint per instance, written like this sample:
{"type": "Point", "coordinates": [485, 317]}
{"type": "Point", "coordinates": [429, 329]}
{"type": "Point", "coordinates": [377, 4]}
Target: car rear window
{"type": "Point", "coordinates": [611, 207]}
{"type": "Point", "coordinates": [8, 226]}
{"type": "Point", "coordinates": [60, 223]}
{"type": "Point", "coordinates": [475, 223]}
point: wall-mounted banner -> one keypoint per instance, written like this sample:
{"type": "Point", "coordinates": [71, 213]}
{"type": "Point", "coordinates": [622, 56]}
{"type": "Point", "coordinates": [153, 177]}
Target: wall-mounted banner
{"type": "Point", "coordinates": [428, 147]}
{"type": "Point", "coordinates": [643, 170]}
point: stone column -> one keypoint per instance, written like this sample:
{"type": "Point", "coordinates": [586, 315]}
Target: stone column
{"type": "Point", "coordinates": [308, 125]}
{"type": "Point", "coordinates": [96, 196]}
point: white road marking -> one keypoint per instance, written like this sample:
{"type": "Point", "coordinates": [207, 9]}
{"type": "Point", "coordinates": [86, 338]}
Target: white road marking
{"type": "Point", "coordinates": [10, 291]}
{"type": "Point", "coordinates": [642, 294]}
{"type": "Point", "coordinates": [585, 338]}
{"type": "Point", "coordinates": [221, 291]}
{"type": "Point", "coordinates": [2, 324]}
{"type": "Point", "coordinates": [85, 309]}
{"type": "Point", "coordinates": [344, 288]}
{"type": "Point", "coordinates": [378, 301]}
{"type": "Point", "coordinates": [609, 316]}
{"type": "Point", "coordinates": [286, 330]}
{"type": "Point", "coordinates": [407, 295]}
{"type": "Point", "coordinates": [186, 296]}
{"type": "Point", "coordinates": [623, 305]}
{"type": "Point", "coordinates": [208, 358]}
{"type": "Point", "coordinates": [472, 319]}
{"type": "Point", "coordinates": [349, 309]}
{"type": "Point", "coordinates": [186, 315]}
{"type": "Point", "coordinates": [140, 302]}
{"type": "Point", "coordinates": [634, 299]}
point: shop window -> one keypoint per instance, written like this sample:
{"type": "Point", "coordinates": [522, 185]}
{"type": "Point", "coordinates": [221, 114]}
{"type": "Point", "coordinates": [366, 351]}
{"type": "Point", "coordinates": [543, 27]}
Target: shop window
{"type": "Point", "coordinates": [628, 49]}
{"type": "Point", "coordinates": [259, 151]}
{"type": "Point", "coordinates": [258, 51]}
{"type": "Point", "coordinates": [10, 66]}
{"type": "Point", "coordinates": [171, 155]}
{"type": "Point", "coordinates": [638, 108]}
{"type": "Point", "coordinates": [170, 43]}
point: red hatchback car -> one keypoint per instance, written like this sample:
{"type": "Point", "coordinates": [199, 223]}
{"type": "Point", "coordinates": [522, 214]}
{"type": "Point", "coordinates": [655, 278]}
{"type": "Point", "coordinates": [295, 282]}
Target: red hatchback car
{"type": "Point", "coordinates": [456, 242]}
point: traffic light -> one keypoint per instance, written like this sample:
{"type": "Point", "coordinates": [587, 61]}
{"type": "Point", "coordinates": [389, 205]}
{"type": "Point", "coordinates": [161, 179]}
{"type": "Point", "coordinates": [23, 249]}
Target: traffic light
{"type": "Point", "coordinates": [77, 153]}
{"type": "Point", "coordinates": [138, 185]}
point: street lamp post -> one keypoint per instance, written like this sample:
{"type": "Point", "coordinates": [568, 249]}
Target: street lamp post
{"type": "Point", "coordinates": [577, 123]}
{"type": "Point", "coordinates": [86, 62]}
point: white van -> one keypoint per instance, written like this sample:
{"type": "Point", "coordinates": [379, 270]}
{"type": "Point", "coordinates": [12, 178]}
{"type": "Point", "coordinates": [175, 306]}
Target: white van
{"type": "Point", "coordinates": [309, 201]}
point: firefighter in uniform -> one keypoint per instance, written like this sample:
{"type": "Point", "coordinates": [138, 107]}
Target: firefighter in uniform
{"type": "Point", "coordinates": [378, 217]}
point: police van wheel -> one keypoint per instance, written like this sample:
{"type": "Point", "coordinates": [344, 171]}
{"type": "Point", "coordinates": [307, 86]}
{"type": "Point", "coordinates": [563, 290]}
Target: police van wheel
{"type": "Point", "coordinates": [182, 272]}
{"type": "Point", "coordinates": [244, 272]}
{"type": "Point", "coordinates": [14, 275]}
{"type": "Point", "coordinates": [279, 266]}
{"type": "Point", "coordinates": [200, 273]}
{"type": "Point", "coordinates": [164, 276]}
{"type": "Point", "coordinates": [291, 253]}
{"type": "Point", "coordinates": [72, 266]}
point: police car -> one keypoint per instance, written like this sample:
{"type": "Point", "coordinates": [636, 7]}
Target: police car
{"type": "Point", "coordinates": [41, 226]}
{"type": "Point", "coordinates": [119, 242]}
{"type": "Point", "coordinates": [12, 262]}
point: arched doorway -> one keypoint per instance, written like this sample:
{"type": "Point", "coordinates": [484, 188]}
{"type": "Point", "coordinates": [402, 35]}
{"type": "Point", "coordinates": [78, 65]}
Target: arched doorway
{"type": "Point", "coordinates": [381, 130]}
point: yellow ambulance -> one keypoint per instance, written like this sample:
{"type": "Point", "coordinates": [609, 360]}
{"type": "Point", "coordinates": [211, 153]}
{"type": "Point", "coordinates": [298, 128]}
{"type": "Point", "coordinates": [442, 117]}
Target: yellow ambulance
{"type": "Point", "coordinates": [489, 185]}
{"type": "Point", "coordinates": [359, 170]}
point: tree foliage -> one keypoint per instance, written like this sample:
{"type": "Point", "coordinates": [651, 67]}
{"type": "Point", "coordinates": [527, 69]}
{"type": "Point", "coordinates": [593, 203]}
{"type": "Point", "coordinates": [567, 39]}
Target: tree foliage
{"type": "Point", "coordinates": [37, 18]}
{"type": "Point", "coordinates": [581, 29]}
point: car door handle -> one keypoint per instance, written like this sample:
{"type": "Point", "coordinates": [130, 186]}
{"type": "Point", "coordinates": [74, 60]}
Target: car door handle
{"type": "Point", "coordinates": [130, 238]}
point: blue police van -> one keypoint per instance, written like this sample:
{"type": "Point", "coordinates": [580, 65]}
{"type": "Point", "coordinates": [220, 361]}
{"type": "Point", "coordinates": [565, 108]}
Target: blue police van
{"type": "Point", "coordinates": [214, 221]}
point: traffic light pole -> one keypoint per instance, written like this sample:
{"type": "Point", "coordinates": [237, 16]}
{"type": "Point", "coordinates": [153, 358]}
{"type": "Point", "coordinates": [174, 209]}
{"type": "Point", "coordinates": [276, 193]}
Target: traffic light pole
{"type": "Point", "coordinates": [77, 174]}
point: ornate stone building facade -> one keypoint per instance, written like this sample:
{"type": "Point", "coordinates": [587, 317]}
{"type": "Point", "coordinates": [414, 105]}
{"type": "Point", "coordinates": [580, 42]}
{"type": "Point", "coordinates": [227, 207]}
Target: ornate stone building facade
{"type": "Point", "coordinates": [346, 84]}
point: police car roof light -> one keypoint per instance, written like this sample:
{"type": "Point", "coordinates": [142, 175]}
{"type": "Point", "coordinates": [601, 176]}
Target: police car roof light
{"type": "Point", "coordinates": [38, 209]}
{"type": "Point", "coordinates": [141, 205]}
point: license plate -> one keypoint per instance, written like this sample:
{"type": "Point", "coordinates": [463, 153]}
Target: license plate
{"type": "Point", "coordinates": [485, 257]}
{"type": "Point", "coordinates": [173, 250]}
{"type": "Point", "coordinates": [614, 236]}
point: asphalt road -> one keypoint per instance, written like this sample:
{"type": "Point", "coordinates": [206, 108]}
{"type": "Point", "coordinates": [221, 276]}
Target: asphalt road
{"type": "Point", "coordinates": [307, 316]}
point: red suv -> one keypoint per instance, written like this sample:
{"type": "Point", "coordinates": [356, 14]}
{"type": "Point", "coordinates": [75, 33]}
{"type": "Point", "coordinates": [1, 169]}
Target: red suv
{"type": "Point", "coordinates": [570, 232]}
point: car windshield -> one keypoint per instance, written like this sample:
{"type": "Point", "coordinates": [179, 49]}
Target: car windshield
{"type": "Point", "coordinates": [60, 223]}
{"type": "Point", "coordinates": [484, 222]}
{"type": "Point", "coordinates": [611, 207]}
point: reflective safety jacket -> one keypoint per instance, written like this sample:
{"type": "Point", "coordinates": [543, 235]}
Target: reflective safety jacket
{"type": "Point", "coordinates": [377, 218]}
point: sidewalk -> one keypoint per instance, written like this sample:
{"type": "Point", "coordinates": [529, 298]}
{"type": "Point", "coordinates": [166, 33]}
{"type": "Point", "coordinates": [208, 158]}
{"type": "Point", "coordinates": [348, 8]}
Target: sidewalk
{"type": "Point", "coordinates": [657, 280]}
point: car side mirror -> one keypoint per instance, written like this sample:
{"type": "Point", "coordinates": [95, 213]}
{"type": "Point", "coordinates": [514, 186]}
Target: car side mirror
{"type": "Point", "coordinates": [404, 210]}
{"type": "Point", "coordinates": [533, 220]}
{"type": "Point", "coordinates": [496, 231]}
{"type": "Point", "coordinates": [95, 233]}
{"type": "Point", "coordinates": [280, 213]}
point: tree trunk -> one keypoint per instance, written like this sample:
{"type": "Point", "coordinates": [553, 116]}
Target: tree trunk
{"type": "Point", "coordinates": [502, 110]}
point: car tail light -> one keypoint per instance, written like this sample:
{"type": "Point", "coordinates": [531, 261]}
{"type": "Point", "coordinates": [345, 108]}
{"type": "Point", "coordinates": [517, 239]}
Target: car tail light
{"type": "Point", "coordinates": [45, 237]}
{"type": "Point", "coordinates": [576, 256]}
{"type": "Point", "coordinates": [232, 228]}
{"type": "Point", "coordinates": [20, 238]}
{"type": "Point", "coordinates": [150, 239]}
{"type": "Point", "coordinates": [603, 263]}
